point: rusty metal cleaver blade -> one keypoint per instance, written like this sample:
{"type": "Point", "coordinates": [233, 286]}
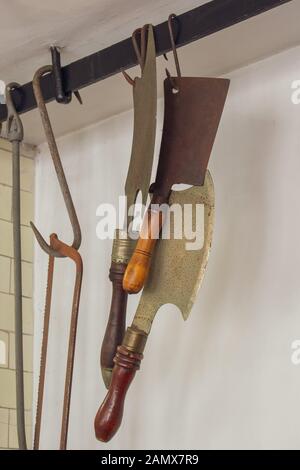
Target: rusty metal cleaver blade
{"type": "Point", "coordinates": [145, 104]}
{"type": "Point", "coordinates": [191, 120]}
{"type": "Point", "coordinates": [176, 272]}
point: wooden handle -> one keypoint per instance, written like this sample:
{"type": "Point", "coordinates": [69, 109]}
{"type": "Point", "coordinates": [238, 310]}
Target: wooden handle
{"type": "Point", "coordinates": [115, 328]}
{"type": "Point", "coordinates": [109, 416]}
{"type": "Point", "coordinates": [139, 265]}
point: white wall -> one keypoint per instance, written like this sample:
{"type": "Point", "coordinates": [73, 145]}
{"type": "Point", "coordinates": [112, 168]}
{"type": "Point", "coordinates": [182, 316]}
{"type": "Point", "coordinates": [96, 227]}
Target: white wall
{"type": "Point", "coordinates": [224, 379]}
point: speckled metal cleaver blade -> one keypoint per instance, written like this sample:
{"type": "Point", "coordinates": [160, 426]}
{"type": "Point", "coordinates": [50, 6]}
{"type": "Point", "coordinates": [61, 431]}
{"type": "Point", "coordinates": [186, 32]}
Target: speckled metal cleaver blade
{"type": "Point", "coordinates": [145, 103]}
{"type": "Point", "coordinates": [177, 273]}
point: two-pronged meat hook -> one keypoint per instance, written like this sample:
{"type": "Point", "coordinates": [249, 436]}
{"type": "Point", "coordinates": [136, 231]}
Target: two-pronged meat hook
{"type": "Point", "coordinates": [140, 50]}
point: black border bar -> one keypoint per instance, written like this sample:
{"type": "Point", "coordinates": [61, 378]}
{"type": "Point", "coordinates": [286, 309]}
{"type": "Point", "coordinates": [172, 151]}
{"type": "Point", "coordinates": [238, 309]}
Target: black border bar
{"type": "Point", "coordinates": [195, 24]}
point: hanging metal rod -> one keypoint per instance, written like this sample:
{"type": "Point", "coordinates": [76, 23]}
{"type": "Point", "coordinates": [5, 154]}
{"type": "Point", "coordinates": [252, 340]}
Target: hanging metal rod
{"type": "Point", "coordinates": [202, 21]}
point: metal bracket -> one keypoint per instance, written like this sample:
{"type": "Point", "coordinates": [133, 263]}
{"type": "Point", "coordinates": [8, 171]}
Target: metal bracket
{"type": "Point", "coordinates": [61, 95]}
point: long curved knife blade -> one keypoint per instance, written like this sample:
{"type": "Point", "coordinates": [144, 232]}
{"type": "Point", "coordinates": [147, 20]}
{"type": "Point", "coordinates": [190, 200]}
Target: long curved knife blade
{"type": "Point", "coordinates": [145, 105]}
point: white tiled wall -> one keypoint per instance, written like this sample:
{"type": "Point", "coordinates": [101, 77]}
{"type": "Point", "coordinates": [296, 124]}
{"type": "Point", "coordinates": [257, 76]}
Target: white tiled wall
{"type": "Point", "coordinates": [8, 429]}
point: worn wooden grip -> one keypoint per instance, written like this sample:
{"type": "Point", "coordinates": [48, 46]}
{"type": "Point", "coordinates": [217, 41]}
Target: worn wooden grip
{"type": "Point", "coordinates": [109, 415]}
{"type": "Point", "coordinates": [139, 265]}
{"type": "Point", "coordinates": [115, 328]}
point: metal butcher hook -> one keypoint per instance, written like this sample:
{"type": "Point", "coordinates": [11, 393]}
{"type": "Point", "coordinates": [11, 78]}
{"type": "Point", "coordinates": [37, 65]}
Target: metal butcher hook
{"type": "Point", "coordinates": [57, 248]}
{"type": "Point", "coordinates": [174, 49]}
{"type": "Point", "coordinates": [140, 50]}
{"type": "Point", "coordinates": [58, 168]}
{"type": "Point", "coordinates": [15, 136]}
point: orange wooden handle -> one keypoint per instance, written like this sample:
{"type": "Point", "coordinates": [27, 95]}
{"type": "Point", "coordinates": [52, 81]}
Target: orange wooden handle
{"type": "Point", "coordinates": [110, 413]}
{"type": "Point", "coordinates": [139, 265]}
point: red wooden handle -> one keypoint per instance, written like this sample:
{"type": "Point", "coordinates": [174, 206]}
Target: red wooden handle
{"type": "Point", "coordinates": [110, 413]}
{"type": "Point", "coordinates": [127, 362]}
{"type": "Point", "coordinates": [115, 328]}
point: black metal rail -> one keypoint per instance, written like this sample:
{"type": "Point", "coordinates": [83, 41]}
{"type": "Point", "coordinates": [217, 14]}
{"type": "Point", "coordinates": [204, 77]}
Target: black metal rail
{"type": "Point", "coordinates": [207, 19]}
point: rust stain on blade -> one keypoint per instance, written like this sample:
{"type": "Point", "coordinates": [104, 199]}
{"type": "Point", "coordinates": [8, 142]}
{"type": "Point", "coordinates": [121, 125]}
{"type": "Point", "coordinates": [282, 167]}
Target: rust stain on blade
{"type": "Point", "coordinates": [191, 120]}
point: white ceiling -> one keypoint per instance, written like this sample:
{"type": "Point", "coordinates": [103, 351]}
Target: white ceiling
{"type": "Point", "coordinates": [29, 27]}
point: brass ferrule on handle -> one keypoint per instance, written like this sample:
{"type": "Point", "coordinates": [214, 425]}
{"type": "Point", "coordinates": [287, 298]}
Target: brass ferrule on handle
{"type": "Point", "coordinates": [135, 340]}
{"type": "Point", "coordinates": [123, 247]}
